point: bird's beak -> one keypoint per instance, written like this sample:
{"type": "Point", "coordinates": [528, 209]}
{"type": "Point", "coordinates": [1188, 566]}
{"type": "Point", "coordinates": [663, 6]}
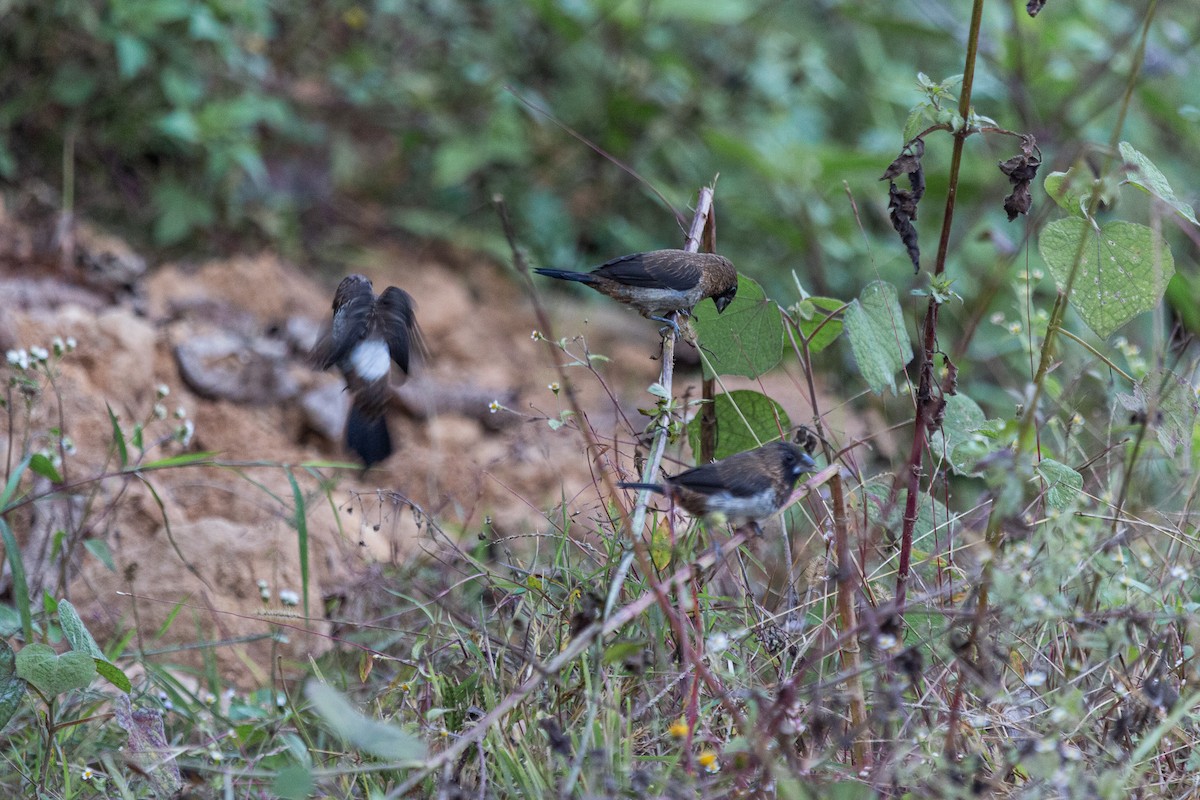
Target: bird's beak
{"type": "Point", "coordinates": [722, 303]}
{"type": "Point", "coordinates": [806, 464]}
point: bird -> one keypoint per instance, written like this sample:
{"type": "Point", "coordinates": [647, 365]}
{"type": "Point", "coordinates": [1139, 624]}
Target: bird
{"type": "Point", "coordinates": [745, 487]}
{"type": "Point", "coordinates": [661, 282]}
{"type": "Point", "coordinates": [366, 334]}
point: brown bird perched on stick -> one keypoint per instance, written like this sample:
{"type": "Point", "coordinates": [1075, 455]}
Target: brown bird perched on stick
{"type": "Point", "coordinates": [661, 282]}
{"type": "Point", "coordinates": [744, 487]}
{"type": "Point", "coordinates": [367, 333]}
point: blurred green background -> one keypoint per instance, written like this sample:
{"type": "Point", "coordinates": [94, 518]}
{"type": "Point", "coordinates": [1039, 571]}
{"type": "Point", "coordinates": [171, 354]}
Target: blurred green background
{"type": "Point", "coordinates": [215, 125]}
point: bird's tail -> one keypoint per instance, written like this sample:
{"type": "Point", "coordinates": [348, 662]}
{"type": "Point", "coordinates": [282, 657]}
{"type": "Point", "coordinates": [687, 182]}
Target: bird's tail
{"type": "Point", "coordinates": [566, 275]}
{"type": "Point", "coordinates": [368, 436]}
{"type": "Point", "coordinates": [650, 487]}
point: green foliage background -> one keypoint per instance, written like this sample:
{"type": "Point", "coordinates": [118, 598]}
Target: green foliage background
{"type": "Point", "coordinates": [197, 118]}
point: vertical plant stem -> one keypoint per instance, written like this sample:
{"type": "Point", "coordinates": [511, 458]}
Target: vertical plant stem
{"type": "Point", "coordinates": [658, 446]}
{"type": "Point", "coordinates": [927, 403]}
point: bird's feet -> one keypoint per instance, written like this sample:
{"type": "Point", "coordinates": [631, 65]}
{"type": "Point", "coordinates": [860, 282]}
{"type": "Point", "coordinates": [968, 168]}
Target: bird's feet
{"type": "Point", "coordinates": [669, 325]}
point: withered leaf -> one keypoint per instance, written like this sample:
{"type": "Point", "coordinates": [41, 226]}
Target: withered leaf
{"type": "Point", "coordinates": [1021, 170]}
{"type": "Point", "coordinates": [902, 203]}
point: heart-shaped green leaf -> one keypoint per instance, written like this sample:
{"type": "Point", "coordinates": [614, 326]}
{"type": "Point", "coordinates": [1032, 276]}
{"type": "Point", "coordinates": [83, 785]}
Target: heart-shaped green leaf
{"type": "Point", "coordinates": [745, 419]}
{"type": "Point", "coordinates": [1123, 271]}
{"type": "Point", "coordinates": [746, 340]}
{"type": "Point", "coordinates": [53, 674]}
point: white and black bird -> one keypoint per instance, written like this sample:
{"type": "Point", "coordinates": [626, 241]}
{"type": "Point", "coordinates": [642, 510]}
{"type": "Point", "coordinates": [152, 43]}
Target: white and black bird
{"type": "Point", "coordinates": [365, 336]}
{"type": "Point", "coordinates": [745, 487]}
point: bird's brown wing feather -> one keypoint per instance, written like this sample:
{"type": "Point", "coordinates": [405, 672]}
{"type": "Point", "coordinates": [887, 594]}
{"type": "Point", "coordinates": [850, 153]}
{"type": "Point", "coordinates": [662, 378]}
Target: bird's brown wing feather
{"type": "Point", "coordinates": [396, 311]}
{"type": "Point", "coordinates": [660, 269]}
{"type": "Point", "coordinates": [351, 308]}
{"type": "Point", "coordinates": [723, 477]}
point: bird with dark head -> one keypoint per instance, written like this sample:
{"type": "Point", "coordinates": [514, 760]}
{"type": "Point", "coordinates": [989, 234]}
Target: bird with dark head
{"type": "Point", "coordinates": [660, 283]}
{"type": "Point", "coordinates": [368, 333]}
{"type": "Point", "coordinates": [745, 487]}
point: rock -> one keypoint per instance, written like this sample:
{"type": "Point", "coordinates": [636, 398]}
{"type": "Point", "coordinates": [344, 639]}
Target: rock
{"type": "Point", "coordinates": [222, 366]}
{"type": "Point", "coordinates": [325, 409]}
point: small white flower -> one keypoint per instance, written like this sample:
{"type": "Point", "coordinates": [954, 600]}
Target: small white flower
{"type": "Point", "coordinates": [185, 432]}
{"type": "Point", "coordinates": [18, 358]}
{"type": "Point", "coordinates": [208, 698]}
{"type": "Point", "coordinates": [160, 411]}
{"type": "Point", "coordinates": [1014, 328]}
{"type": "Point", "coordinates": [494, 406]}
{"type": "Point", "coordinates": [717, 643]}
{"type": "Point", "coordinates": [162, 390]}
{"type": "Point", "coordinates": [87, 774]}
{"type": "Point", "coordinates": [68, 445]}
{"type": "Point", "coordinates": [885, 641]}
{"type": "Point", "coordinates": [39, 353]}
{"type": "Point", "coordinates": [216, 755]}
{"type": "Point", "coordinates": [1035, 678]}
{"type": "Point", "coordinates": [180, 413]}
{"type": "Point", "coordinates": [280, 700]}
{"type": "Point", "coordinates": [553, 386]}
{"type": "Point", "coordinates": [1037, 274]}
{"type": "Point", "coordinates": [997, 318]}
{"type": "Point", "coordinates": [71, 343]}
{"type": "Point", "coordinates": [58, 346]}
{"type": "Point", "coordinates": [1179, 573]}
{"type": "Point", "coordinates": [535, 334]}
{"type": "Point", "coordinates": [289, 597]}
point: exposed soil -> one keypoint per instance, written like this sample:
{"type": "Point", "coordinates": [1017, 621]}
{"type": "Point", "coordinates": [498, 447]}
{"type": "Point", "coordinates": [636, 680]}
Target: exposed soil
{"type": "Point", "coordinates": [233, 528]}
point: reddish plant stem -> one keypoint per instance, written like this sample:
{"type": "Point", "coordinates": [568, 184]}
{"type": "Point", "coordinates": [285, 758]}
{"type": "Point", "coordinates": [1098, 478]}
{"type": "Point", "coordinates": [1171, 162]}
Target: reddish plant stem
{"type": "Point", "coordinates": [927, 403]}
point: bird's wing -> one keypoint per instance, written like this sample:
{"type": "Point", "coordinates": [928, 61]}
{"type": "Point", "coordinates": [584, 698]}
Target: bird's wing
{"type": "Point", "coordinates": [396, 311]}
{"type": "Point", "coordinates": [352, 305]}
{"type": "Point", "coordinates": [660, 269]}
{"type": "Point", "coordinates": [711, 479]}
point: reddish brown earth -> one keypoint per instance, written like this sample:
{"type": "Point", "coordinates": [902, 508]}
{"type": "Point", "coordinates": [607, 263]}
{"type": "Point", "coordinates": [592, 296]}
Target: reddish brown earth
{"type": "Point", "coordinates": [233, 528]}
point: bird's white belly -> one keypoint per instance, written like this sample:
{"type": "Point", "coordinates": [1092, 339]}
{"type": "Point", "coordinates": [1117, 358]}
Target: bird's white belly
{"type": "Point", "coordinates": [660, 302]}
{"type": "Point", "coordinates": [743, 508]}
{"type": "Point", "coordinates": [371, 359]}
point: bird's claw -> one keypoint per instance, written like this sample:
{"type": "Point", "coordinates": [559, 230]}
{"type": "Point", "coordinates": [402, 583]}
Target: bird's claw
{"type": "Point", "coordinates": [669, 325]}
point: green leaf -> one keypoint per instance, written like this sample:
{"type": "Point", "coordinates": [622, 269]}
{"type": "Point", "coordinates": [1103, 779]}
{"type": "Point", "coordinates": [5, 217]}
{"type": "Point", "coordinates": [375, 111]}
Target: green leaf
{"type": "Point", "coordinates": [622, 652]}
{"type": "Point", "coordinates": [293, 783]}
{"type": "Point", "coordinates": [370, 735]}
{"type": "Point", "coordinates": [132, 55]}
{"type": "Point", "coordinates": [745, 420]}
{"type": "Point", "coordinates": [182, 460]}
{"type": "Point", "coordinates": [812, 313]}
{"type": "Point", "coordinates": [1070, 190]}
{"type": "Point", "coordinates": [1170, 403]}
{"type": "Point", "coordinates": [1123, 272]}
{"type": "Point", "coordinates": [1063, 483]}
{"type": "Point", "coordinates": [746, 340]}
{"type": "Point", "coordinates": [877, 334]}
{"type": "Point", "coordinates": [53, 674]}
{"type": "Point", "coordinates": [300, 523]}
{"type": "Point", "coordinates": [12, 687]}
{"type": "Point", "coordinates": [76, 632]}
{"type": "Point", "coordinates": [960, 439]}
{"type": "Point", "coordinates": [99, 549]}
{"type": "Point", "coordinates": [118, 437]}
{"type": "Point", "coordinates": [20, 588]}
{"type": "Point", "coordinates": [40, 464]}
{"type": "Point", "coordinates": [1149, 178]}
{"type": "Point", "coordinates": [113, 674]}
